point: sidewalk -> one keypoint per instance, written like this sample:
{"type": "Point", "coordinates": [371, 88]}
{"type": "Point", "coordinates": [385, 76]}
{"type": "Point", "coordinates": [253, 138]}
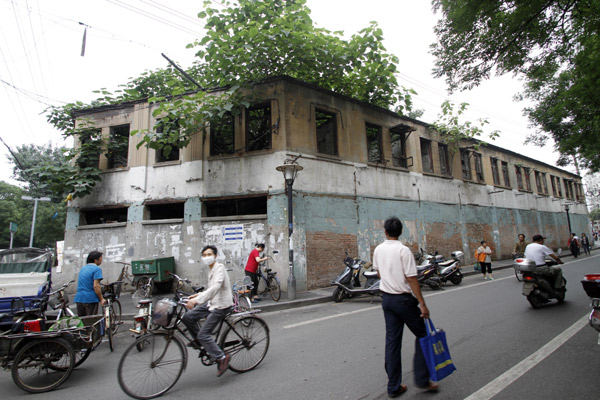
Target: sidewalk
{"type": "Point", "coordinates": [307, 298]}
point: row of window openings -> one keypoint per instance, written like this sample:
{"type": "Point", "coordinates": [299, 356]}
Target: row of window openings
{"type": "Point", "coordinates": [157, 212]}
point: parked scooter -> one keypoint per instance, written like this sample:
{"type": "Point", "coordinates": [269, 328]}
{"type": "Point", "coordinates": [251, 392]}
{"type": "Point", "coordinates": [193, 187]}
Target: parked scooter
{"type": "Point", "coordinates": [446, 270]}
{"type": "Point", "coordinates": [538, 287]}
{"type": "Point", "coordinates": [427, 275]}
{"type": "Point", "coordinates": [450, 270]}
{"type": "Point", "coordinates": [349, 284]}
{"type": "Point", "coordinates": [591, 285]}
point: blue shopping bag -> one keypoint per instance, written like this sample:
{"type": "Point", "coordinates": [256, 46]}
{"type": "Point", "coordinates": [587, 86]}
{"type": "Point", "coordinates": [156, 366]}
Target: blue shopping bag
{"type": "Point", "coordinates": [437, 355]}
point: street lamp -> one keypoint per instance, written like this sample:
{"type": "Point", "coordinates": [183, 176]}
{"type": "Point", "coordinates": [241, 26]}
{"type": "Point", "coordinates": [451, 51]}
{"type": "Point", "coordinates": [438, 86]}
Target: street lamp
{"type": "Point", "coordinates": [290, 170]}
{"type": "Point", "coordinates": [567, 208]}
{"type": "Point", "coordinates": [35, 200]}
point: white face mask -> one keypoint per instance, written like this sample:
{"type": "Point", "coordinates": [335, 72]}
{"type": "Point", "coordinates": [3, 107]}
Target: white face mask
{"type": "Point", "coordinates": [208, 260]}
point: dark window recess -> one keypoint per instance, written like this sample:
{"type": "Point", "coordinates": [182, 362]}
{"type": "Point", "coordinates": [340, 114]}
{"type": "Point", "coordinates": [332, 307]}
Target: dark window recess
{"type": "Point", "coordinates": [90, 144]}
{"type": "Point", "coordinates": [444, 159]}
{"type": "Point", "coordinates": [168, 152]}
{"type": "Point", "coordinates": [426, 155]}
{"type": "Point", "coordinates": [495, 172]}
{"type": "Point", "coordinates": [398, 140]}
{"type": "Point", "coordinates": [233, 207]}
{"type": "Point", "coordinates": [478, 167]}
{"type": "Point", "coordinates": [258, 127]}
{"type": "Point", "coordinates": [326, 133]}
{"type": "Point", "coordinates": [544, 182]}
{"type": "Point", "coordinates": [558, 188]}
{"type": "Point", "coordinates": [538, 182]}
{"type": "Point", "coordinates": [222, 135]}
{"type": "Point", "coordinates": [465, 162]}
{"type": "Point", "coordinates": [164, 211]}
{"type": "Point", "coordinates": [527, 173]}
{"type": "Point", "coordinates": [519, 175]}
{"type": "Point", "coordinates": [104, 216]}
{"type": "Point", "coordinates": [117, 149]}
{"type": "Point", "coordinates": [505, 174]}
{"type": "Point", "coordinates": [374, 142]}
{"type": "Point", "coordinates": [553, 185]}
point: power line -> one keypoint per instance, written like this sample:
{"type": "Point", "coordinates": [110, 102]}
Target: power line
{"type": "Point", "coordinates": [24, 46]}
{"type": "Point", "coordinates": [32, 95]}
{"type": "Point", "coordinates": [37, 54]}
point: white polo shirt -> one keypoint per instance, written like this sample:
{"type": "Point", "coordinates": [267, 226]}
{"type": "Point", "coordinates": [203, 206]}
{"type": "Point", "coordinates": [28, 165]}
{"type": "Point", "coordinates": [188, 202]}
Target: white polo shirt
{"type": "Point", "coordinates": [537, 252]}
{"type": "Point", "coordinates": [395, 262]}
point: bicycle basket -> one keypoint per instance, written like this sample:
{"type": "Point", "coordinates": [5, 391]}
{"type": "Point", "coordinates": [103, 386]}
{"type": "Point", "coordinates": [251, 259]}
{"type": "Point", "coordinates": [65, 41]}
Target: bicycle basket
{"type": "Point", "coordinates": [54, 300]}
{"type": "Point", "coordinates": [163, 312]}
{"type": "Point", "coordinates": [66, 323]}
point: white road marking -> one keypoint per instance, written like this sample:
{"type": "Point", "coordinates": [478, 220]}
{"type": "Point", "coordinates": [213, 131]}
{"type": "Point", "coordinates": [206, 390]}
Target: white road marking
{"type": "Point", "coordinates": [312, 321]}
{"type": "Point", "coordinates": [510, 376]}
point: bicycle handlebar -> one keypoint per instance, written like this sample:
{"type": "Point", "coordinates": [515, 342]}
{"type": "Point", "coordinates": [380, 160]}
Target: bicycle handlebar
{"type": "Point", "coordinates": [63, 287]}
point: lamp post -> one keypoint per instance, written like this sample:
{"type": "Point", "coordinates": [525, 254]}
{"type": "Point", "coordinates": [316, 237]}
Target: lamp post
{"type": "Point", "coordinates": [567, 208]}
{"type": "Point", "coordinates": [35, 203]}
{"type": "Point", "coordinates": [290, 169]}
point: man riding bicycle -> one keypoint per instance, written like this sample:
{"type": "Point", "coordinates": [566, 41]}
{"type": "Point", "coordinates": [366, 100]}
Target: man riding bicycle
{"type": "Point", "coordinates": [219, 300]}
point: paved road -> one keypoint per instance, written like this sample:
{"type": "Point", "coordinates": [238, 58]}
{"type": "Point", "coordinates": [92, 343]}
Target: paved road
{"type": "Point", "coordinates": [335, 351]}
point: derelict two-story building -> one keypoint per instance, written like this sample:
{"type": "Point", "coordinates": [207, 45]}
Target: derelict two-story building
{"type": "Point", "coordinates": [361, 164]}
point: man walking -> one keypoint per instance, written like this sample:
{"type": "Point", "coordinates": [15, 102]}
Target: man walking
{"type": "Point", "coordinates": [398, 272]}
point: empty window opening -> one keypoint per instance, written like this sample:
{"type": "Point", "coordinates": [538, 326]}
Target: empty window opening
{"type": "Point", "coordinates": [478, 167]}
{"type": "Point", "coordinates": [374, 142]}
{"type": "Point", "coordinates": [235, 207]}
{"type": "Point", "coordinates": [544, 182]}
{"type": "Point", "coordinates": [118, 146]}
{"type": "Point", "coordinates": [527, 173]}
{"type": "Point", "coordinates": [326, 132]}
{"type": "Point", "coordinates": [505, 174]}
{"type": "Point", "coordinates": [222, 135]}
{"type": "Point", "coordinates": [465, 163]}
{"type": "Point", "coordinates": [103, 216]}
{"type": "Point", "coordinates": [495, 172]}
{"type": "Point", "coordinates": [90, 143]}
{"type": "Point", "coordinates": [398, 137]}
{"type": "Point", "coordinates": [258, 127]}
{"type": "Point", "coordinates": [519, 175]}
{"type": "Point", "coordinates": [426, 155]}
{"type": "Point", "coordinates": [444, 159]}
{"type": "Point", "coordinates": [169, 152]}
{"type": "Point", "coordinates": [553, 183]}
{"type": "Point", "coordinates": [155, 212]}
{"type": "Point", "coordinates": [538, 182]}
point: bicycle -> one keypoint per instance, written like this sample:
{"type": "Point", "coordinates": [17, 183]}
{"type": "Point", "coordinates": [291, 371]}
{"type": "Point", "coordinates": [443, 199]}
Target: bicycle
{"type": "Point", "coordinates": [152, 372]}
{"type": "Point", "coordinates": [241, 295]}
{"type": "Point", "coordinates": [269, 283]}
{"type": "Point", "coordinates": [112, 309]}
{"type": "Point", "coordinates": [125, 275]}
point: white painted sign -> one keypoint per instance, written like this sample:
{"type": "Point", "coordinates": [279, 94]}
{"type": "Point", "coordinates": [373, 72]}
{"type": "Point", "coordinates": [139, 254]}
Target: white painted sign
{"type": "Point", "coordinates": [233, 233]}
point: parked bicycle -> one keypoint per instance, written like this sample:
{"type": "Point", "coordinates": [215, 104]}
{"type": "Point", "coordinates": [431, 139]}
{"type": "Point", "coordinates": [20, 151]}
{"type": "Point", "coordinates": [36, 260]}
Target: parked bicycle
{"type": "Point", "coordinates": [152, 371]}
{"type": "Point", "coordinates": [125, 276]}
{"type": "Point", "coordinates": [241, 295]}
{"type": "Point", "coordinates": [268, 282]}
{"type": "Point", "coordinates": [112, 309]}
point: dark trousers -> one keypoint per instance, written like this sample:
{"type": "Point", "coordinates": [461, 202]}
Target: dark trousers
{"type": "Point", "coordinates": [398, 310]}
{"type": "Point", "coordinates": [84, 309]}
{"type": "Point", "coordinates": [204, 333]}
{"type": "Point", "coordinates": [254, 277]}
{"type": "Point", "coordinates": [486, 268]}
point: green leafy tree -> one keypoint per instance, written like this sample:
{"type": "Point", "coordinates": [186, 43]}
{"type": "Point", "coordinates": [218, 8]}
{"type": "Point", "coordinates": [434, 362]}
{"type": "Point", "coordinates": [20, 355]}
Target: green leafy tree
{"type": "Point", "coordinates": [595, 214]}
{"type": "Point", "coordinates": [553, 44]}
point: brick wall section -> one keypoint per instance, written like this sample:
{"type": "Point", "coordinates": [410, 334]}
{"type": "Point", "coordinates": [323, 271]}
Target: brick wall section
{"type": "Point", "coordinates": [325, 252]}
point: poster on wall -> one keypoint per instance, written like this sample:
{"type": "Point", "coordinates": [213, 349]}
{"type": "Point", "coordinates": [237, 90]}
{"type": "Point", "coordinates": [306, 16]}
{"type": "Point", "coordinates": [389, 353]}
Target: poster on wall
{"type": "Point", "coordinates": [233, 233]}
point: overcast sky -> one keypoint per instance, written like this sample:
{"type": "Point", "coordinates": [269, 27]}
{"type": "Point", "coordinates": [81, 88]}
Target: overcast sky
{"type": "Point", "coordinates": [41, 62]}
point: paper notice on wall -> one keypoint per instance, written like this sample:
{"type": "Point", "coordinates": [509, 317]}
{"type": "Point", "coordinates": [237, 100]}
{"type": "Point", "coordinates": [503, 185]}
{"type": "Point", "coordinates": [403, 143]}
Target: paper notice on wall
{"type": "Point", "coordinates": [233, 233]}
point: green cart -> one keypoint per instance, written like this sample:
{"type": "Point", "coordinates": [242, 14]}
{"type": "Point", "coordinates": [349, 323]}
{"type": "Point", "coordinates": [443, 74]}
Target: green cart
{"type": "Point", "coordinates": [155, 271]}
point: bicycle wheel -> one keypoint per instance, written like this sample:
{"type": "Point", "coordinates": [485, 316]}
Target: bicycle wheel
{"type": "Point", "coordinates": [244, 303]}
{"type": "Point", "coordinates": [150, 373]}
{"type": "Point", "coordinates": [115, 317]}
{"type": "Point", "coordinates": [518, 275]}
{"type": "Point", "coordinates": [34, 367]}
{"type": "Point", "coordinates": [247, 342]}
{"type": "Point", "coordinates": [109, 329]}
{"type": "Point", "coordinates": [274, 288]}
{"type": "Point", "coordinates": [81, 355]}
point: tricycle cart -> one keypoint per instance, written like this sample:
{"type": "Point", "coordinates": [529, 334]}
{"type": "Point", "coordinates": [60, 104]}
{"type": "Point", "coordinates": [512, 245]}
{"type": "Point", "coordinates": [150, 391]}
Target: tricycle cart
{"type": "Point", "coordinates": [155, 270]}
{"type": "Point", "coordinates": [41, 361]}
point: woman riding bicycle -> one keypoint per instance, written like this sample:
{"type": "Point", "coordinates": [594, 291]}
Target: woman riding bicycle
{"type": "Point", "coordinates": [213, 304]}
{"type": "Point", "coordinates": [252, 268]}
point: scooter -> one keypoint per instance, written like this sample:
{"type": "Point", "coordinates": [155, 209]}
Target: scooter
{"type": "Point", "coordinates": [348, 282]}
{"type": "Point", "coordinates": [427, 275]}
{"type": "Point", "coordinates": [591, 285]}
{"type": "Point", "coordinates": [443, 271]}
{"type": "Point", "coordinates": [450, 270]}
{"type": "Point", "coordinates": [538, 287]}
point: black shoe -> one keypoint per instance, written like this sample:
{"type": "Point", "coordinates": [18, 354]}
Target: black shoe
{"type": "Point", "coordinates": [402, 389]}
{"type": "Point", "coordinates": [222, 364]}
{"type": "Point", "coordinates": [194, 343]}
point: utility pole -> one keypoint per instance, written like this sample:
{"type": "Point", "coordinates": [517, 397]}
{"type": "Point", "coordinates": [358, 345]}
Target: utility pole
{"type": "Point", "coordinates": [35, 203]}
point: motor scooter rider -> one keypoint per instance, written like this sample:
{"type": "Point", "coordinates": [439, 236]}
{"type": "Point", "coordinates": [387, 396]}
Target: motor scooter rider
{"type": "Point", "coordinates": [537, 252]}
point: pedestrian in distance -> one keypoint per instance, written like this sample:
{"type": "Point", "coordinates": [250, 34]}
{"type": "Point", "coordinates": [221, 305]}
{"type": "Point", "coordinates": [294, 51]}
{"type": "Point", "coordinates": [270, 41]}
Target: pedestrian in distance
{"type": "Point", "coordinates": [483, 256]}
{"type": "Point", "coordinates": [520, 246]}
{"type": "Point", "coordinates": [213, 304]}
{"type": "Point", "coordinates": [573, 244]}
{"type": "Point", "coordinates": [585, 243]}
{"type": "Point", "coordinates": [89, 292]}
{"type": "Point", "coordinates": [252, 267]}
{"type": "Point", "coordinates": [403, 304]}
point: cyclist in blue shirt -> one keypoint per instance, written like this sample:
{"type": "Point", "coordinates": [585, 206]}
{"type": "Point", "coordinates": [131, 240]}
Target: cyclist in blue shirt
{"type": "Point", "coordinates": [89, 291]}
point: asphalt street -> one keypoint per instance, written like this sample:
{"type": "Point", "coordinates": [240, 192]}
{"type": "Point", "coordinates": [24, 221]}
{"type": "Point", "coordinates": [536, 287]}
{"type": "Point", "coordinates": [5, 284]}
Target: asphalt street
{"type": "Point", "coordinates": [503, 349]}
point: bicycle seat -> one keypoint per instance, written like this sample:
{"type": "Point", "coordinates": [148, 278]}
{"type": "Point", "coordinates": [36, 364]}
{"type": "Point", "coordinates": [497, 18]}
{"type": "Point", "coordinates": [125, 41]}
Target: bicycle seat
{"type": "Point", "coordinates": [145, 301]}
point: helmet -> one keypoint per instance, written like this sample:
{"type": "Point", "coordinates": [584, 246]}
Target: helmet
{"type": "Point", "coordinates": [163, 312]}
